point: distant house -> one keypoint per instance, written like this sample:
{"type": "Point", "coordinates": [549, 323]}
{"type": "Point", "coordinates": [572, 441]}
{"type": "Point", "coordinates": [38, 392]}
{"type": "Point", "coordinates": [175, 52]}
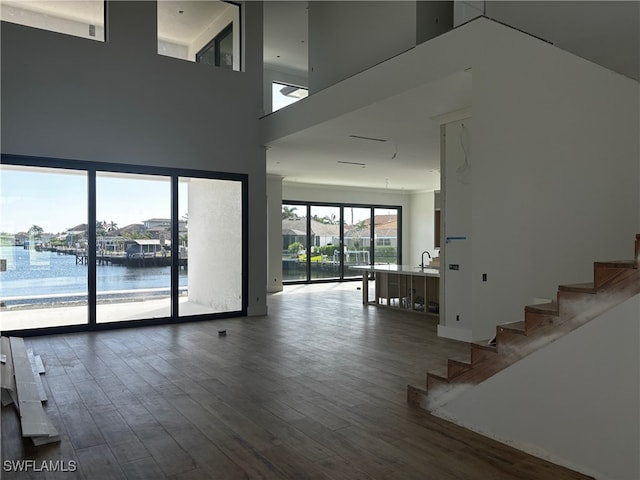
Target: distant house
{"type": "Point", "coordinates": [295, 230]}
{"type": "Point", "coordinates": [155, 223]}
{"type": "Point", "coordinates": [133, 228]}
{"type": "Point", "coordinates": [145, 248]}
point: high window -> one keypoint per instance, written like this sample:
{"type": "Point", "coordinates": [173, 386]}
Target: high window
{"type": "Point", "coordinates": [90, 247]}
{"type": "Point", "coordinates": [283, 95]}
{"type": "Point", "coordinates": [81, 19]}
{"type": "Point", "coordinates": [203, 31]}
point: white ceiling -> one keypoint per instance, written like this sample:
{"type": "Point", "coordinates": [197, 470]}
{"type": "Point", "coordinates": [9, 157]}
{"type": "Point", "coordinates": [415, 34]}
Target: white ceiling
{"type": "Point", "coordinates": [409, 159]}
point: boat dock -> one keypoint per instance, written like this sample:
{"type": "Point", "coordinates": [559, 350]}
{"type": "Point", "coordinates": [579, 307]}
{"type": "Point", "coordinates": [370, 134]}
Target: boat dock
{"type": "Point", "coordinates": [135, 260]}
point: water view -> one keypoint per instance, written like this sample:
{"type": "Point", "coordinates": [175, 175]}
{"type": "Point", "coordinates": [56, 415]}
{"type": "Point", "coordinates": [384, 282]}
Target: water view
{"type": "Point", "coordinates": [34, 277]}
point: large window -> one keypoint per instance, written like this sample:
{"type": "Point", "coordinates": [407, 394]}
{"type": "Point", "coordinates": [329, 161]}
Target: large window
{"type": "Point", "coordinates": [88, 247]}
{"type": "Point", "coordinates": [81, 19]}
{"type": "Point", "coordinates": [322, 241]}
{"type": "Point", "coordinates": [133, 246]}
{"type": "Point", "coordinates": [203, 31]}
{"type": "Point", "coordinates": [43, 247]}
{"type": "Point", "coordinates": [294, 242]}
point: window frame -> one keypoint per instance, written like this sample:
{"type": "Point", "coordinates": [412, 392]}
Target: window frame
{"type": "Point", "coordinates": [342, 205]}
{"type": "Point", "coordinates": [92, 168]}
{"type": "Point", "coordinates": [215, 44]}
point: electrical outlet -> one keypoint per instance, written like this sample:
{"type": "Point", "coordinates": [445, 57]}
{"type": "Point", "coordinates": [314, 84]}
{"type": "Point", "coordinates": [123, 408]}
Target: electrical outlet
{"type": "Point", "coordinates": [457, 318]}
{"type": "Point", "coordinates": [484, 277]}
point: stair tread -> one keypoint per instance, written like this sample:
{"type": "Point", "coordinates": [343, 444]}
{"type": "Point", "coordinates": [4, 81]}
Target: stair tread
{"type": "Point", "coordinates": [466, 359]}
{"type": "Point", "coordinates": [485, 345]}
{"type": "Point", "coordinates": [551, 308]}
{"type": "Point", "coordinates": [439, 373]}
{"type": "Point", "coordinates": [587, 287]}
{"type": "Point", "coordinates": [514, 326]}
{"type": "Point", "coordinates": [615, 264]}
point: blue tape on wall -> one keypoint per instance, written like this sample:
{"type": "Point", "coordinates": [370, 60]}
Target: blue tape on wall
{"type": "Point", "coordinates": [448, 239]}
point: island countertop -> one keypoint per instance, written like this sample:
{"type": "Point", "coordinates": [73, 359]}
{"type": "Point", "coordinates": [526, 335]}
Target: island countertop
{"type": "Point", "coordinates": [399, 269]}
{"type": "Point", "coordinates": [409, 287]}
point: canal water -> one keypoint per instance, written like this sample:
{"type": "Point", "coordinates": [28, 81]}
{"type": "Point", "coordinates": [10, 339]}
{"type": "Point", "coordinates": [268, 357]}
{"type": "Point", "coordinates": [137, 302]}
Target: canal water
{"type": "Point", "coordinates": [32, 274]}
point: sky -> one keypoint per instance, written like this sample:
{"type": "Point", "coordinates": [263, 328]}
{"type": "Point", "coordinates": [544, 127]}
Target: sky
{"type": "Point", "coordinates": [57, 202]}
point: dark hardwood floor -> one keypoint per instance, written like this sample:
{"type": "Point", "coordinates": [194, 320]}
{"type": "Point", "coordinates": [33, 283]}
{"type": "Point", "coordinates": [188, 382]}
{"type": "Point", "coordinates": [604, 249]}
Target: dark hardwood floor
{"type": "Point", "coordinates": [316, 390]}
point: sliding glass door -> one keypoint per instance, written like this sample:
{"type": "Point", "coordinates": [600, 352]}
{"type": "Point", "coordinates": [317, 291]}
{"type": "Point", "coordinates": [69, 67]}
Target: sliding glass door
{"type": "Point", "coordinates": [385, 235]}
{"type": "Point", "coordinates": [325, 252]}
{"type": "Point", "coordinates": [133, 246]}
{"type": "Point", "coordinates": [357, 239]}
{"type": "Point", "coordinates": [322, 242]}
{"type": "Point", "coordinates": [43, 247]}
{"type": "Point", "coordinates": [86, 247]}
{"type": "Point", "coordinates": [295, 242]}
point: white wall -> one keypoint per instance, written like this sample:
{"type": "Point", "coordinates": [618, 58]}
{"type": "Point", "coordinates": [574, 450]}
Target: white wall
{"type": "Point", "coordinates": [347, 37]}
{"type": "Point", "coordinates": [120, 102]}
{"type": "Point", "coordinates": [613, 27]}
{"type": "Point", "coordinates": [465, 11]}
{"type": "Point", "coordinates": [575, 402]}
{"type": "Point", "coordinates": [456, 315]}
{"type": "Point", "coordinates": [420, 220]}
{"type": "Point", "coordinates": [215, 244]}
{"type": "Point", "coordinates": [555, 173]}
{"type": "Point", "coordinates": [433, 18]}
{"type": "Point", "coordinates": [274, 237]}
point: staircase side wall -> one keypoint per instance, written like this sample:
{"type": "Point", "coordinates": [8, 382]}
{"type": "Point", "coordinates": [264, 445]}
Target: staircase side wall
{"type": "Point", "coordinates": [574, 402]}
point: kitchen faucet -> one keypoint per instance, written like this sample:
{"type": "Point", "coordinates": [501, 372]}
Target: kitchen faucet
{"type": "Point", "coordinates": [422, 265]}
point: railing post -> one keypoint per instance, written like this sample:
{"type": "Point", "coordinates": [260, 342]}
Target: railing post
{"type": "Point", "coordinates": [636, 258]}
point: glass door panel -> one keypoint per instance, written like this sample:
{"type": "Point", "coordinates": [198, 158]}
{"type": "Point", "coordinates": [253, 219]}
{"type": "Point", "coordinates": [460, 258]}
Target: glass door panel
{"type": "Point", "coordinates": [210, 246]}
{"type": "Point", "coordinates": [385, 233]}
{"type": "Point", "coordinates": [43, 247]}
{"type": "Point", "coordinates": [325, 242]}
{"type": "Point", "coordinates": [357, 234]}
{"type": "Point", "coordinates": [294, 243]}
{"type": "Point", "coordinates": [133, 247]}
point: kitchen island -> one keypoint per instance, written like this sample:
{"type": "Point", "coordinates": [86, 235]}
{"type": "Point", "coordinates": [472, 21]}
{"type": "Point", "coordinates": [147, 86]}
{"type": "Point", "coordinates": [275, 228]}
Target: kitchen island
{"type": "Point", "coordinates": [404, 287]}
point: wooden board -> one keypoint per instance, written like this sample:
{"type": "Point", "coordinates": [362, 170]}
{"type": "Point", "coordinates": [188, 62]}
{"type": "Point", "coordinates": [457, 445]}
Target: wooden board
{"type": "Point", "coordinates": [33, 418]}
{"type": "Point", "coordinates": [40, 364]}
{"type": "Point", "coordinates": [6, 368]}
{"type": "Point", "coordinates": [36, 376]}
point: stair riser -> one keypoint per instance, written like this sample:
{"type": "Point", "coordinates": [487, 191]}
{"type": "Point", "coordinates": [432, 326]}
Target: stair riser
{"type": "Point", "coordinates": [534, 320]}
{"type": "Point", "coordinates": [572, 303]}
{"type": "Point", "coordinates": [479, 355]}
{"type": "Point", "coordinates": [417, 397]}
{"type": "Point", "coordinates": [435, 382]}
{"type": "Point", "coordinates": [457, 368]}
{"type": "Point", "coordinates": [509, 341]}
{"type": "Point", "coordinates": [606, 276]}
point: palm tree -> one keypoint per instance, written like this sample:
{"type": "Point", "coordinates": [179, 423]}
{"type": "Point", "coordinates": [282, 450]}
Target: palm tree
{"type": "Point", "coordinates": [112, 226]}
{"type": "Point", "coordinates": [35, 231]}
{"type": "Point", "coordinates": [289, 212]}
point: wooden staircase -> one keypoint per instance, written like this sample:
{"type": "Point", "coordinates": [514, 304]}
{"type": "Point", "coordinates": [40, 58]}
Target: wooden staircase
{"type": "Point", "coordinates": [613, 283]}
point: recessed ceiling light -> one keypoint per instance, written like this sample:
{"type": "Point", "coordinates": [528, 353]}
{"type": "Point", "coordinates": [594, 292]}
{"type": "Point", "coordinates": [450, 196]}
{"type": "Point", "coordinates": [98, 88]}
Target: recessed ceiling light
{"type": "Point", "coordinates": [373, 139]}
{"type": "Point", "coordinates": [358, 164]}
